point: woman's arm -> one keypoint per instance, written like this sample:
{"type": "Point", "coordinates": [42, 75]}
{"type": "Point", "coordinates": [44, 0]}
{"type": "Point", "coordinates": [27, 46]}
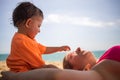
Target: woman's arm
{"type": "Point", "coordinates": [52, 74]}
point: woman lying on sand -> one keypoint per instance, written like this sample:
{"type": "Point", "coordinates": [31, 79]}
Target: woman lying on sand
{"type": "Point", "coordinates": [107, 68]}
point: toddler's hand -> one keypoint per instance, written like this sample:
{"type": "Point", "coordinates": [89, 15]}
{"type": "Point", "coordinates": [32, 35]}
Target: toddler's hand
{"type": "Point", "coordinates": [65, 48]}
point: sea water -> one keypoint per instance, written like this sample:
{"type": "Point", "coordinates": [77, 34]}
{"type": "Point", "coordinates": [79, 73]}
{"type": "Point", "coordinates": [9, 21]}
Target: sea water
{"type": "Point", "coordinates": [54, 57]}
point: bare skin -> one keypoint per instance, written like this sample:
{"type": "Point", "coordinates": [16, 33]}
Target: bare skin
{"type": "Point", "coordinates": [109, 69]}
{"type": "Point", "coordinates": [105, 70]}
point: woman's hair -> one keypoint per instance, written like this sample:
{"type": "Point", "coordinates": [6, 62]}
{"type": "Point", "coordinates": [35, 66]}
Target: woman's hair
{"type": "Point", "coordinates": [24, 11]}
{"type": "Point", "coordinates": [66, 64]}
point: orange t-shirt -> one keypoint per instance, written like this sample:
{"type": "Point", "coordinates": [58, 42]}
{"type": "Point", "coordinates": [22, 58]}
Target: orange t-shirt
{"type": "Point", "coordinates": [26, 54]}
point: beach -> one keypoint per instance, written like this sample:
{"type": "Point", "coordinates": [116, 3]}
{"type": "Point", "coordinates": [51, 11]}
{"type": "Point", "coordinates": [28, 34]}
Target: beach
{"type": "Point", "coordinates": [3, 66]}
{"type": "Point", "coordinates": [55, 59]}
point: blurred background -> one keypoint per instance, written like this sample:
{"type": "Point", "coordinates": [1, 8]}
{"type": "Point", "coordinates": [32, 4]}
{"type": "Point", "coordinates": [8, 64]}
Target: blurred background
{"type": "Point", "coordinates": [90, 24]}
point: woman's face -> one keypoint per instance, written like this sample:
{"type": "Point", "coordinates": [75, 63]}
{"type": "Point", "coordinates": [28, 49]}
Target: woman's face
{"type": "Point", "coordinates": [75, 59]}
{"type": "Point", "coordinates": [79, 60]}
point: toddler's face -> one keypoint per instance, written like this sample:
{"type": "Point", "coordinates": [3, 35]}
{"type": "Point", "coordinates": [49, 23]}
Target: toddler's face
{"type": "Point", "coordinates": [34, 27]}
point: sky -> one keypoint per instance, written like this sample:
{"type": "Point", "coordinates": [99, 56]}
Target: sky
{"type": "Point", "coordinates": [88, 24]}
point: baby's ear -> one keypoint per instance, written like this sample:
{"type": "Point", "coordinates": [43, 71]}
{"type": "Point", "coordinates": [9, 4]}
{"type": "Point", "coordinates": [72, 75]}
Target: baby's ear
{"type": "Point", "coordinates": [87, 67]}
{"type": "Point", "coordinates": [28, 23]}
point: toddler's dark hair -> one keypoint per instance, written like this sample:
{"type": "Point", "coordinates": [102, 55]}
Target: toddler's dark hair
{"type": "Point", "coordinates": [24, 11]}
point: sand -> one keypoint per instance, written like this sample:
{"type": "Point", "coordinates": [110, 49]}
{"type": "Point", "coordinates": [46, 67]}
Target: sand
{"type": "Point", "coordinates": [3, 66]}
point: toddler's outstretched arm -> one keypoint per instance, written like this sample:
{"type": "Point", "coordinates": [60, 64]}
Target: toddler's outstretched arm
{"type": "Point", "coordinates": [56, 49]}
